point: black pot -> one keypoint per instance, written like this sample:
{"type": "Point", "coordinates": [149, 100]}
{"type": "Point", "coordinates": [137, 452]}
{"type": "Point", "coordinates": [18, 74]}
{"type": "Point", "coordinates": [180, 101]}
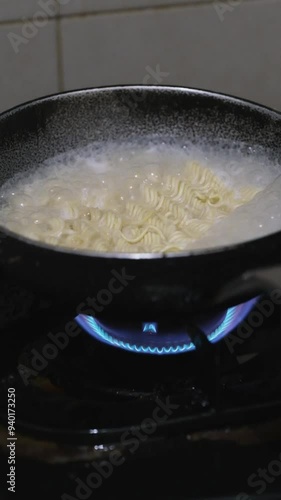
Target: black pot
{"type": "Point", "coordinates": [188, 282]}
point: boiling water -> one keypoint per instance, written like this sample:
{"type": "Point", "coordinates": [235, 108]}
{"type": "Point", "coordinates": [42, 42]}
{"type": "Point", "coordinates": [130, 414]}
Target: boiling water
{"type": "Point", "coordinates": [260, 217]}
{"type": "Point", "coordinates": [67, 187]}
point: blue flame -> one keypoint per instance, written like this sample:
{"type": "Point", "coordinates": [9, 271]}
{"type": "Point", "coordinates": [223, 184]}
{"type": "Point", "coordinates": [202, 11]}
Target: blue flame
{"type": "Point", "coordinates": [161, 343]}
{"type": "Point", "coordinates": [151, 328]}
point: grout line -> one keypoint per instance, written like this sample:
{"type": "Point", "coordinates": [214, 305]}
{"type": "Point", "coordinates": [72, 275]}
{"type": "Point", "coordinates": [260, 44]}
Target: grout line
{"type": "Point", "coordinates": [153, 8]}
{"type": "Point", "coordinates": [59, 53]}
{"type": "Point", "coordinates": [140, 9]}
{"type": "Point", "coordinates": [129, 10]}
{"type": "Point", "coordinates": [24, 20]}
{"type": "Point", "coordinates": [59, 48]}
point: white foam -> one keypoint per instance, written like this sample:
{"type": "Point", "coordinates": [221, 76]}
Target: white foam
{"type": "Point", "coordinates": [260, 217]}
{"type": "Point", "coordinates": [107, 169]}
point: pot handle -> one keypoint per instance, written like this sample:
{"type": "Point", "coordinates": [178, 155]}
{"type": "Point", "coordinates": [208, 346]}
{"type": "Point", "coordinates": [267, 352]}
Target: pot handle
{"type": "Point", "coordinates": [250, 284]}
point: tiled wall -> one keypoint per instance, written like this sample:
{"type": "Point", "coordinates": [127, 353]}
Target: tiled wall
{"type": "Point", "coordinates": [228, 46]}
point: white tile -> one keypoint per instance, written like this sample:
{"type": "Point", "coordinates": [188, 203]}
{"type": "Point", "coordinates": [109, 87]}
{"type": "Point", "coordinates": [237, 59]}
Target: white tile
{"type": "Point", "coordinates": [79, 6]}
{"type": "Point", "coordinates": [17, 9]}
{"type": "Point", "coordinates": [240, 55]}
{"type": "Point", "coordinates": [30, 73]}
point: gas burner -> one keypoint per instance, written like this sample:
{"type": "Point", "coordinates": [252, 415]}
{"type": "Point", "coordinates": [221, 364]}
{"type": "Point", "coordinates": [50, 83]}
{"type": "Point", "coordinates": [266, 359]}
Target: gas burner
{"type": "Point", "coordinates": [92, 399]}
{"type": "Point", "coordinates": [84, 396]}
{"type": "Point", "coordinates": [160, 338]}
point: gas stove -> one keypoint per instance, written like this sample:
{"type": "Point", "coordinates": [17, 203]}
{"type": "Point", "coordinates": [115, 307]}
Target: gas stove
{"type": "Point", "coordinates": [174, 407]}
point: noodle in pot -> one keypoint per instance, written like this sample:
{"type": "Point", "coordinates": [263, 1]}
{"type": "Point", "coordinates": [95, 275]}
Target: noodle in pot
{"type": "Point", "coordinates": [142, 211]}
